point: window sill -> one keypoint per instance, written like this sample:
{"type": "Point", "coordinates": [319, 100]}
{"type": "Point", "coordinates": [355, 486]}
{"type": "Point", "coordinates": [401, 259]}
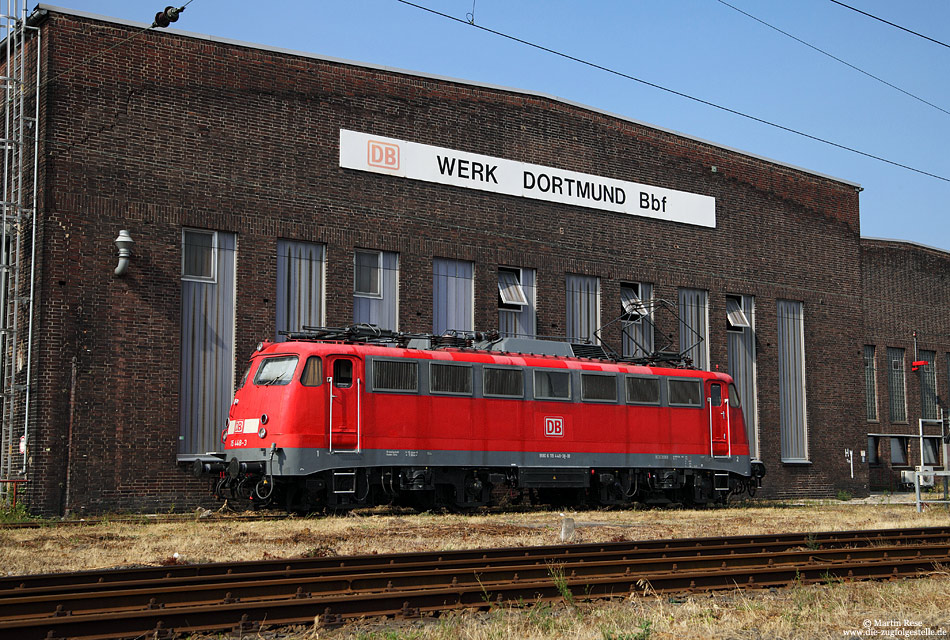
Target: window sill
{"type": "Point", "coordinates": [796, 462]}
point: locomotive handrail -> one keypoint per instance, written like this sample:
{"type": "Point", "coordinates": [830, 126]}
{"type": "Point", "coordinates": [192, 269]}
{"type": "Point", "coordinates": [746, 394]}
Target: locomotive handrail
{"type": "Point", "coordinates": [330, 414]}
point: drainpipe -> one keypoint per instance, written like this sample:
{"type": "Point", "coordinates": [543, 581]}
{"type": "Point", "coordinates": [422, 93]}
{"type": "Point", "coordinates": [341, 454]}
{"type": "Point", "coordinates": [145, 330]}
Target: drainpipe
{"type": "Point", "coordinates": [69, 437]}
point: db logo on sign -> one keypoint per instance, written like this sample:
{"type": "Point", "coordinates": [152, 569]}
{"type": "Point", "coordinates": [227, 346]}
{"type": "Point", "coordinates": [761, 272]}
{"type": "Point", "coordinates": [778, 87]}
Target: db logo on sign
{"type": "Point", "coordinates": [382, 155]}
{"type": "Point", "coordinates": [554, 427]}
{"type": "Point", "coordinates": [238, 426]}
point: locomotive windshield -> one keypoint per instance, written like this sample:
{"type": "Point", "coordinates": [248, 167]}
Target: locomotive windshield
{"type": "Point", "coordinates": [276, 371]}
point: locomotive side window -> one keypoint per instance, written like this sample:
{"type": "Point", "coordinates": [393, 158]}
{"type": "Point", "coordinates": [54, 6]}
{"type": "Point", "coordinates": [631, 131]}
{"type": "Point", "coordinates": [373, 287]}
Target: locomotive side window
{"type": "Point", "coordinates": [734, 397]}
{"type": "Point", "coordinates": [598, 387]}
{"type": "Point", "coordinates": [395, 375]}
{"type": "Point", "coordinates": [312, 372]}
{"type": "Point", "coordinates": [507, 383]}
{"type": "Point", "coordinates": [685, 392]}
{"type": "Point", "coordinates": [276, 371]}
{"type": "Point", "coordinates": [715, 395]}
{"type": "Point", "coordinates": [450, 378]}
{"type": "Point", "coordinates": [643, 390]}
{"type": "Point", "coordinates": [552, 385]}
{"type": "Point", "coordinates": [244, 377]}
{"type": "Point", "coordinates": [343, 373]}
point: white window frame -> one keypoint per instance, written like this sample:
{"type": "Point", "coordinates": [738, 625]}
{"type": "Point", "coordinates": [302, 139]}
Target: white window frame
{"type": "Point", "coordinates": [378, 294]}
{"type": "Point", "coordinates": [736, 319]}
{"type": "Point", "coordinates": [635, 306]}
{"type": "Point", "coordinates": [213, 278]}
{"type": "Point", "coordinates": [505, 290]}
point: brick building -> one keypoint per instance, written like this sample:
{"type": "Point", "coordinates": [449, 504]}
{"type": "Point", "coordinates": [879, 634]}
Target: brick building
{"type": "Point", "coordinates": [241, 173]}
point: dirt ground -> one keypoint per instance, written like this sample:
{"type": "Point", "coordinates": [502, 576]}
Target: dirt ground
{"type": "Point", "coordinates": [908, 608]}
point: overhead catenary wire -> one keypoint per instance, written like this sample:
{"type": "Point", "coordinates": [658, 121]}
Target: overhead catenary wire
{"type": "Point", "coordinates": [833, 57]}
{"type": "Point", "coordinates": [681, 94]}
{"type": "Point", "coordinates": [887, 22]}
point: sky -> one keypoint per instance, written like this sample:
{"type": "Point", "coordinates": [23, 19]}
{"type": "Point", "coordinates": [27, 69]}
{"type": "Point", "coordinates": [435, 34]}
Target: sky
{"type": "Point", "coordinates": [703, 48]}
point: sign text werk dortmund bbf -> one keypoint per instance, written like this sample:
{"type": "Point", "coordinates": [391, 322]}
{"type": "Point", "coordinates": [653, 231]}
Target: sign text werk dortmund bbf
{"type": "Point", "coordinates": [416, 161]}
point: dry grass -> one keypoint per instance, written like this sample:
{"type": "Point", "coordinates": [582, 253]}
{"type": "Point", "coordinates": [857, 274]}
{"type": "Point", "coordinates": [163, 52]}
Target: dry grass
{"type": "Point", "coordinates": [804, 611]}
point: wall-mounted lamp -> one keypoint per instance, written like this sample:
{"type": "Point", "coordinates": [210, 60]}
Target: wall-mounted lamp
{"type": "Point", "coordinates": [124, 244]}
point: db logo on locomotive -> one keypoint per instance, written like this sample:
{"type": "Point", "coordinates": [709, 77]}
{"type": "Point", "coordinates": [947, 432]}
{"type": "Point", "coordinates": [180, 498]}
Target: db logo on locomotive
{"type": "Point", "coordinates": [554, 427]}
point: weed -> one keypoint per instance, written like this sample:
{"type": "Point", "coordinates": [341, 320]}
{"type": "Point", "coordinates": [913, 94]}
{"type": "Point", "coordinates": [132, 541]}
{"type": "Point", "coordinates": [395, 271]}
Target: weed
{"type": "Point", "coordinates": [844, 495]}
{"type": "Point", "coordinates": [811, 542]}
{"type": "Point", "coordinates": [11, 513]}
{"type": "Point", "coordinates": [643, 632]}
{"type": "Point", "coordinates": [560, 582]}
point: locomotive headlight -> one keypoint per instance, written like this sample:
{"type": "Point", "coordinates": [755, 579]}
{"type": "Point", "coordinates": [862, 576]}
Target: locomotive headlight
{"type": "Point", "coordinates": [262, 432]}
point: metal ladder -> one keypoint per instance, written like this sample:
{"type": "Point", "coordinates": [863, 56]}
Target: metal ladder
{"type": "Point", "coordinates": [19, 144]}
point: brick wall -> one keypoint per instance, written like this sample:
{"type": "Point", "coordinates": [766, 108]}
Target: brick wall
{"type": "Point", "coordinates": [906, 292]}
{"type": "Point", "coordinates": [167, 131]}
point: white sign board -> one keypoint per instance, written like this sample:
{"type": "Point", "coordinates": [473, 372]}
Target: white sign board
{"type": "Point", "coordinates": [389, 156]}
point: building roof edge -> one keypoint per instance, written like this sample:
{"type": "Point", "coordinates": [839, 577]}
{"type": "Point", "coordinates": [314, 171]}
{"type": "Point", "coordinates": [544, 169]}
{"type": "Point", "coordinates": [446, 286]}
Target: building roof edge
{"type": "Point", "coordinates": [910, 243]}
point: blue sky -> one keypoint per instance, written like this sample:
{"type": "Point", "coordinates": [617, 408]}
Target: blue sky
{"type": "Point", "coordinates": [703, 48]}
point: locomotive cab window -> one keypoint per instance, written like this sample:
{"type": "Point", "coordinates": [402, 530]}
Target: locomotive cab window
{"type": "Point", "coordinates": [395, 375]}
{"type": "Point", "coordinates": [450, 378]}
{"type": "Point", "coordinates": [247, 372]}
{"type": "Point", "coordinates": [643, 390]}
{"type": "Point", "coordinates": [343, 373]}
{"type": "Point", "coordinates": [734, 400]}
{"type": "Point", "coordinates": [685, 392]}
{"type": "Point", "coordinates": [552, 385]}
{"type": "Point", "coordinates": [276, 371]}
{"type": "Point", "coordinates": [715, 395]}
{"type": "Point", "coordinates": [598, 387]}
{"type": "Point", "coordinates": [312, 375]}
{"type": "Point", "coordinates": [504, 383]}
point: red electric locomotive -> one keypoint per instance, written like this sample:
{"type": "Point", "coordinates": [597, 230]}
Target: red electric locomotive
{"type": "Point", "coordinates": [338, 420]}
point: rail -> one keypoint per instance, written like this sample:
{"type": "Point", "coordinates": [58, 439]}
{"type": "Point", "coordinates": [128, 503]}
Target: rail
{"type": "Point", "coordinates": [159, 601]}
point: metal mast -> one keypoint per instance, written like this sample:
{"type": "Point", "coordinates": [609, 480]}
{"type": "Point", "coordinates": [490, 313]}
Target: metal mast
{"type": "Point", "coordinates": [19, 83]}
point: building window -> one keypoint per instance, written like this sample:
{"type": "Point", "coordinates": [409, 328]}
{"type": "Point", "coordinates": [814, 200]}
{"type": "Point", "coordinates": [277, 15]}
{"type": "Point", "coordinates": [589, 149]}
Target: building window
{"type": "Point", "coordinates": [694, 326]}
{"type": "Point", "coordinates": [453, 290]}
{"type": "Point", "coordinates": [928, 386]}
{"type": "Point", "coordinates": [931, 451]}
{"type": "Point", "coordinates": [791, 392]}
{"type": "Point", "coordinates": [736, 319]}
{"type": "Point", "coordinates": [552, 385]}
{"type": "Point", "coordinates": [583, 307]}
{"type": "Point", "coordinates": [635, 304]}
{"type": "Point", "coordinates": [898, 451]}
{"type": "Point", "coordinates": [376, 288]}
{"type": "Point", "coordinates": [870, 382]}
{"type": "Point", "coordinates": [199, 255]}
{"type": "Point", "coordinates": [450, 378]}
{"type": "Point", "coordinates": [367, 273]}
{"type": "Point", "coordinates": [516, 302]}
{"type": "Point", "coordinates": [300, 286]}
{"type": "Point", "coordinates": [895, 384]}
{"type": "Point", "coordinates": [740, 346]}
{"type": "Point", "coordinates": [874, 450]}
{"type": "Point", "coordinates": [206, 382]}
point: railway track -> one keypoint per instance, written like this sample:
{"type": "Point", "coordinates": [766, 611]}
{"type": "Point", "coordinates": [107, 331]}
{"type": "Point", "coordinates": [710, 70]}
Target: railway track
{"type": "Point", "coordinates": [241, 596]}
